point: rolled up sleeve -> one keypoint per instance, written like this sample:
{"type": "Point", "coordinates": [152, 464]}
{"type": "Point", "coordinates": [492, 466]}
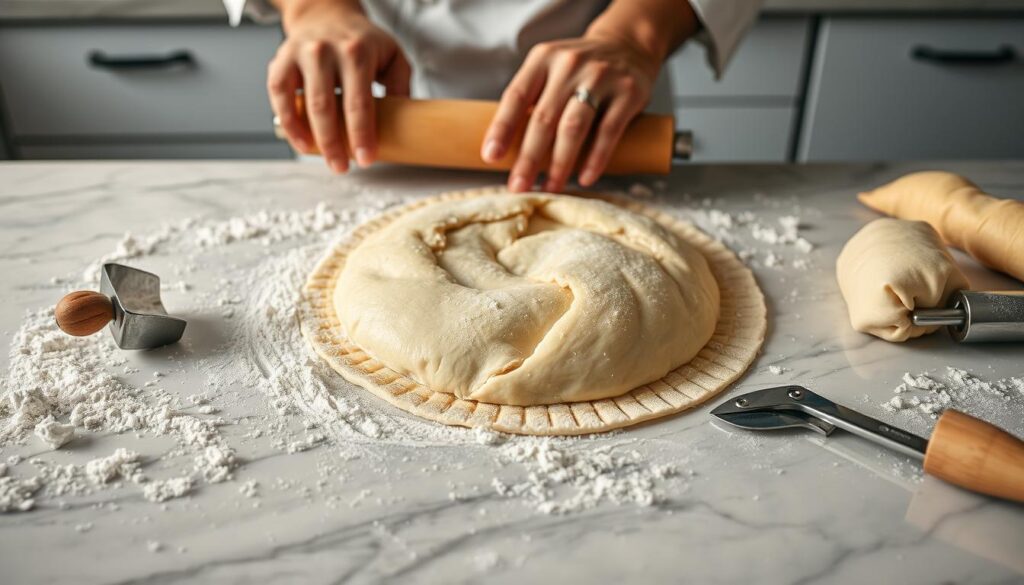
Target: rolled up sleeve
{"type": "Point", "coordinates": [258, 10]}
{"type": "Point", "coordinates": [724, 24]}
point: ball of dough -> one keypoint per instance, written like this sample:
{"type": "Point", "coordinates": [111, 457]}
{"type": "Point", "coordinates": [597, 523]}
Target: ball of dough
{"type": "Point", "coordinates": [527, 299]}
{"type": "Point", "coordinates": [891, 267]}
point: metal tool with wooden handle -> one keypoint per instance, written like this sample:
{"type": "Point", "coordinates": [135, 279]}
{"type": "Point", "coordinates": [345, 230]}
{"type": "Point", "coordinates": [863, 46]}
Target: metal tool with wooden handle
{"type": "Point", "coordinates": [129, 301]}
{"type": "Point", "coordinates": [963, 450]}
{"type": "Point", "coordinates": [450, 133]}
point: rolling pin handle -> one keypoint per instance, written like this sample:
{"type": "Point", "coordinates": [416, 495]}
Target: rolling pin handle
{"type": "Point", "coordinates": [83, 312]}
{"type": "Point", "coordinates": [938, 317]}
{"type": "Point", "coordinates": [682, 145]}
{"type": "Point", "coordinates": [976, 455]}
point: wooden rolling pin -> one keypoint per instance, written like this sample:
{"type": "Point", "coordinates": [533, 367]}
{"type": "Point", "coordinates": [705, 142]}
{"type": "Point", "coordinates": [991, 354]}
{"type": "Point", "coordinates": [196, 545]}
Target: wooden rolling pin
{"type": "Point", "coordinates": [450, 133]}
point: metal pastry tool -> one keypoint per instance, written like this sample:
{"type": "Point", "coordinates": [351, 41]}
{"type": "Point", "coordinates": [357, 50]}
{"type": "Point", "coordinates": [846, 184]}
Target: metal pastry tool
{"type": "Point", "coordinates": [974, 316]}
{"type": "Point", "coordinates": [963, 450]}
{"type": "Point", "coordinates": [129, 300]}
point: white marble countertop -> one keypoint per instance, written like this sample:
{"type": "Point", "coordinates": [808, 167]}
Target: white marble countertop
{"type": "Point", "coordinates": [766, 508]}
{"type": "Point", "coordinates": [214, 9]}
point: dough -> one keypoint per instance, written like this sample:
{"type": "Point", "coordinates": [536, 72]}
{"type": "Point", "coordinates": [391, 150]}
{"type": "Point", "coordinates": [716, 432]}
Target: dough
{"type": "Point", "coordinates": [527, 300]}
{"type": "Point", "coordinates": [986, 227]}
{"type": "Point", "coordinates": [888, 269]}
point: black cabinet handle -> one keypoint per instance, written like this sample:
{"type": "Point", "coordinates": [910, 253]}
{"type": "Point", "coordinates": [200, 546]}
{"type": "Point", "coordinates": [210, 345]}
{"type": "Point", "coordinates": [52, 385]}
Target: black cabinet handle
{"type": "Point", "coordinates": [1004, 54]}
{"type": "Point", "coordinates": [131, 62]}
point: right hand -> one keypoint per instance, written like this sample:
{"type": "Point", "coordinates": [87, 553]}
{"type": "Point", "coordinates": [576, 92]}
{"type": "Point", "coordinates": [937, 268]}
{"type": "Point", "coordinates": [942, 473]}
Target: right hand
{"type": "Point", "coordinates": [332, 43]}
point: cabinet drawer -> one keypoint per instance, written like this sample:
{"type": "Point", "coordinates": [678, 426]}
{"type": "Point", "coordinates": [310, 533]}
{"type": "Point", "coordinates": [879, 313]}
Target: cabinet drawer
{"type": "Point", "coordinates": [916, 89]}
{"type": "Point", "coordinates": [52, 89]}
{"type": "Point", "coordinates": [729, 134]}
{"type": "Point", "coordinates": [767, 64]}
{"type": "Point", "coordinates": [269, 149]}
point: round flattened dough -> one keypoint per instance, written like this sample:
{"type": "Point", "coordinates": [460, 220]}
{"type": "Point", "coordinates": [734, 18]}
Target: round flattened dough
{"type": "Point", "coordinates": [527, 300]}
{"type": "Point", "coordinates": [891, 267]}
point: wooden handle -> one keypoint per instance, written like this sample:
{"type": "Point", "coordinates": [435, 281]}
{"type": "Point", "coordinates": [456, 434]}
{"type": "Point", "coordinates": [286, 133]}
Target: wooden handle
{"type": "Point", "coordinates": [975, 455]}
{"type": "Point", "coordinates": [450, 134]}
{"type": "Point", "coordinates": [83, 312]}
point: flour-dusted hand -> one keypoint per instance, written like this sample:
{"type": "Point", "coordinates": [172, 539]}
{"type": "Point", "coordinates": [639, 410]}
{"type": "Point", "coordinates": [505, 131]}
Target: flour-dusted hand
{"type": "Point", "coordinates": [332, 43]}
{"type": "Point", "coordinates": [590, 87]}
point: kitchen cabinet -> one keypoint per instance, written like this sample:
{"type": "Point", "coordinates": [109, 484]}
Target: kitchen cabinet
{"type": "Point", "coordinates": [138, 91]}
{"type": "Point", "coordinates": [748, 114]}
{"type": "Point", "coordinates": [916, 88]}
{"type": "Point", "coordinates": [803, 86]}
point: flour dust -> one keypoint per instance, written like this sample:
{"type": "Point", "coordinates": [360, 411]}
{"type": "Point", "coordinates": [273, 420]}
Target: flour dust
{"type": "Point", "coordinates": [79, 417]}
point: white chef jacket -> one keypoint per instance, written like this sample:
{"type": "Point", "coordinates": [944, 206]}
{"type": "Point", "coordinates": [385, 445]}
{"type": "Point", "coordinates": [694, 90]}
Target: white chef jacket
{"type": "Point", "coordinates": [472, 48]}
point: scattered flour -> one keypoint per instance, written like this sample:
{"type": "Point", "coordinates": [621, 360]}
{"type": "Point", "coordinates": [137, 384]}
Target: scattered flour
{"type": "Point", "coordinates": [249, 489]}
{"type": "Point", "coordinates": [594, 474]}
{"type": "Point", "coordinates": [163, 490]}
{"type": "Point", "coordinates": [748, 234]}
{"type": "Point", "coordinates": [62, 388]}
{"type": "Point", "coordinates": [16, 495]}
{"type": "Point", "coordinates": [121, 464]}
{"type": "Point", "coordinates": [777, 370]}
{"type": "Point", "coordinates": [54, 433]}
{"type": "Point", "coordinates": [267, 227]}
{"type": "Point", "coordinates": [927, 396]}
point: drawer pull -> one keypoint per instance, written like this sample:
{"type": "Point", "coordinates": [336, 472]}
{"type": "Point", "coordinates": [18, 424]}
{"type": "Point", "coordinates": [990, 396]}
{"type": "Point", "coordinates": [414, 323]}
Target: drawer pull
{"type": "Point", "coordinates": [131, 62]}
{"type": "Point", "coordinates": [1004, 54]}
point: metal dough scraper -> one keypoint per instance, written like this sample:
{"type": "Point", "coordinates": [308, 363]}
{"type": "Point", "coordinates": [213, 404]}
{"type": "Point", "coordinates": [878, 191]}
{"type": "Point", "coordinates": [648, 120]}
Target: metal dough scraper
{"type": "Point", "coordinates": [129, 300]}
{"type": "Point", "coordinates": [962, 450]}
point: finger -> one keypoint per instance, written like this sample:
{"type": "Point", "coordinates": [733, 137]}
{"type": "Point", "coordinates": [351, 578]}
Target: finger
{"type": "Point", "coordinates": [609, 132]}
{"type": "Point", "coordinates": [320, 76]}
{"type": "Point", "coordinates": [358, 68]}
{"type": "Point", "coordinates": [396, 75]}
{"type": "Point", "coordinates": [540, 134]}
{"type": "Point", "coordinates": [573, 127]}
{"type": "Point", "coordinates": [283, 79]}
{"type": "Point", "coordinates": [521, 93]}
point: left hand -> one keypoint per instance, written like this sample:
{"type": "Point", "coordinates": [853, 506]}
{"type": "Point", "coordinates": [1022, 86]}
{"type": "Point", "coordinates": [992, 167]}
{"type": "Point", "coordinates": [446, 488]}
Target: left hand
{"type": "Point", "coordinates": [618, 76]}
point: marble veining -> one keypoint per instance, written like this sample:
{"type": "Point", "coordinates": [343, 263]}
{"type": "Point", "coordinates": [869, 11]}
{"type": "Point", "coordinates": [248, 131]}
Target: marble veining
{"type": "Point", "coordinates": [785, 507]}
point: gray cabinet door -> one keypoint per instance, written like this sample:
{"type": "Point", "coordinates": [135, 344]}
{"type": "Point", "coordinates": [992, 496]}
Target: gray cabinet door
{"type": "Point", "coordinates": [214, 149]}
{"type": "Point", "coordinates": [738, 134]}
{"type": "Point", "coordinates": [922, 88]}
{"type": "Point", "coordinates": [768, 64]}
{"type": "Point", "coordinates": [72, 80]}
{"type": "Point", "coordinates": [748, 115]}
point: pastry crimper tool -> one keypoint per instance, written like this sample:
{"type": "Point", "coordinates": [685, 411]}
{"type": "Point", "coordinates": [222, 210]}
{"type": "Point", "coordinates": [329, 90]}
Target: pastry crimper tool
{"type": "Point", "coordinates": [962, 450]}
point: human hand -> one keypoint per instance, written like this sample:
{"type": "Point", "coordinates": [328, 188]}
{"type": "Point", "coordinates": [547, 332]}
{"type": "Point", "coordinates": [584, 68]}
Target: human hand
{"type": "Point", "coordinates": [618, 77]}
{"type": "Point", "coordinates": [332, 43]}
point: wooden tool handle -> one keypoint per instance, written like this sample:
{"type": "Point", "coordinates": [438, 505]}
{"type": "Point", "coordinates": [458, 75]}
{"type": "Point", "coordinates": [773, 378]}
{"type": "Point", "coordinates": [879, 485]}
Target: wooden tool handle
{"type": "Point", "coordinates": [975, 455]}
{"type": "Point", "coordinates": [450, 134]}
{"type": "Point", "coordinates": [83, 312]}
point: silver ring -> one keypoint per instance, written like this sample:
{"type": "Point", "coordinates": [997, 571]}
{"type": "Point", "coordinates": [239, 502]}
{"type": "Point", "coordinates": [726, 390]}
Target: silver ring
{"type": "Point", "coordinates": [584, 96]}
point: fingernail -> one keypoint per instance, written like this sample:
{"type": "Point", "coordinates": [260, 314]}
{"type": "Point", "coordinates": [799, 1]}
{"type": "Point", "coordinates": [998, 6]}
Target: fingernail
{"type": "Point", "coordinates": [338, 166]}
{"type": "Point", "coordinates": [363, 157]}
{"type": "Point", "coordinates": [519, 184]}
{"type": "Point", "coordinates": [588, 177]}
{"type": "Point", "coordinates": [492, 151]}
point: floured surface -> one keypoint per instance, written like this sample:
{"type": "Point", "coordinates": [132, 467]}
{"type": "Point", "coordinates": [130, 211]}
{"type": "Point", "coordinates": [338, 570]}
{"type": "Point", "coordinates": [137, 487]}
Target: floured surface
{"type": "Point", "coordinates": [737, 337]}
{"type": "Point", "coordinates": [330, 484]}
